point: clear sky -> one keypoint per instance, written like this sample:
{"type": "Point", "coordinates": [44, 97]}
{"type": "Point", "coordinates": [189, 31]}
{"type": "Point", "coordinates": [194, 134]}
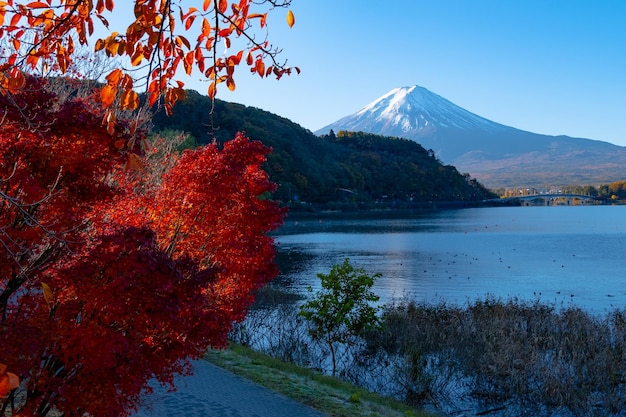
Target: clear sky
{"type": "Point", "coordinates": [546, 66]}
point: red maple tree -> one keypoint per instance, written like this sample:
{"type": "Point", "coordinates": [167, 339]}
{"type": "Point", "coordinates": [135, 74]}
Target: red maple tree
{"type": "Point", "coordinates": [108, 280]}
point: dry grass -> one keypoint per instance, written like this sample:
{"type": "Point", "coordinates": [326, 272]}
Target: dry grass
{"type": "Point", "coordinates": [516, 357]}
{"type": "Point", "coordinates": [531, 357]}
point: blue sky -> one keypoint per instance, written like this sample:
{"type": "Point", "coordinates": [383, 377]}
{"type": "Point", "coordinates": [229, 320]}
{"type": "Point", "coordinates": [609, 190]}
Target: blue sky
{"type": "Point", "coordinates": [547, 66]}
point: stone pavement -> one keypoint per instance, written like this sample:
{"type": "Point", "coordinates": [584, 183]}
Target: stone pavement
{"type": "Point", "coordinates": [214, 392]}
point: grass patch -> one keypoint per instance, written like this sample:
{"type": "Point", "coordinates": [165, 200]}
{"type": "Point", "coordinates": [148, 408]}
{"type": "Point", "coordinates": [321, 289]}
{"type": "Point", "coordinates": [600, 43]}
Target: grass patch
{"type": "Point", "coordinates": [322, 392]}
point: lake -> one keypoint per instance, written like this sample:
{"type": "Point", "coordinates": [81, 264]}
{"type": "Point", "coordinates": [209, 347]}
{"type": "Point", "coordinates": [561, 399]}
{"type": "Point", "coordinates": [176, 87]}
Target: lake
{"type": "Point", "coordinates": [558, 254]}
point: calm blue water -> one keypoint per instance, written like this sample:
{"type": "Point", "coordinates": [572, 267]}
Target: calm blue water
{"type": "Point", "coordinates": [560, 255]}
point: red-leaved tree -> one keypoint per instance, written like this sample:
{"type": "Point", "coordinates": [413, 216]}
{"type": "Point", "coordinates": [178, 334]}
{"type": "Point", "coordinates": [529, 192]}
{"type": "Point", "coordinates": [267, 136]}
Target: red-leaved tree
{"type": "Point", "coordinates": [108, 280]}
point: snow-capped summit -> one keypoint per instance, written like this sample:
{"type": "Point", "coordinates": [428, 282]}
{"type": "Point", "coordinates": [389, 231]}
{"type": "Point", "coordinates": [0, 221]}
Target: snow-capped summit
{"type": "Point", "coordinates": [497, 155]}
{"type": "Point", "coordinates": [412, 112]}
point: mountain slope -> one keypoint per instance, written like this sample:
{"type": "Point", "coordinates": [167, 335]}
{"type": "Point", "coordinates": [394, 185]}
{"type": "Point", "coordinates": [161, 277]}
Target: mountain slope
{"type": "Point", "coordinates": [342, 171]}
{"type": "Point", "coordinates": [497, 155]}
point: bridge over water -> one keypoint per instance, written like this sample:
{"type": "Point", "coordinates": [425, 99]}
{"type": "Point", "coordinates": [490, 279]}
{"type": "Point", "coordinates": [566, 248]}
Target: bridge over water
{"type": "Point", "coordinates": [557, 199]}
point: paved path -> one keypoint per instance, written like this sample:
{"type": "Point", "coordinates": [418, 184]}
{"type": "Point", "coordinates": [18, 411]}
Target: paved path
{"type": "Point", "coordinates": [214, 392]}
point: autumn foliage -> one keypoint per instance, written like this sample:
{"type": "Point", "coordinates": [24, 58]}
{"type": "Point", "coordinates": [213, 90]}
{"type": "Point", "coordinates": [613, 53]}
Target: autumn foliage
{"type": "Point", "coordinates": [158, 38]}
{"type": "Point", "coordinates": [110, 276]}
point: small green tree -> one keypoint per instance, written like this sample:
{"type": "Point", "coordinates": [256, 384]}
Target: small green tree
{"type": "Point", "coordinates": [342, 309]}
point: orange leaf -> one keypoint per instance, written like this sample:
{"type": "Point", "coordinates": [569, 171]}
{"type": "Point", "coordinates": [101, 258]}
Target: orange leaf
{"type": "Point", "coordinates": [183, 41]}
{"type": "Point", "coordinates": [15, 19]}
{"type": "Point", "coordinates": [198, 56]}
{"type": "Point", "coordinates": [153, 98]}
{"type": "Point", "coordinates": [206, 5]}
{"type": "Point", "coordinates": [223, 5]}
{"type": "Point", "coordinates": [114, 77]}
{"type": "Point", "coordinates": [260, 68]}
{"type": "Point", "coordinates": [189, 22]}
{"type": "Point", "coordinates": [137, 57]}
{"type": "Point", "coordinates": [212, 91]}
{"type": "Point", "coordinates": [8, 382]}
{"type": "Point", "coordinates": [4, 385]}
{"type": "Point", "coordinates": [16, 80]}
{"type": "Point", "coordinates": [129, 100]}
{"type": "Point", "coordinates": [62, 59]}
{"type": "Point", "coordinates": [188, 62]}
{"type": "Point", "coordinates": [109, 5]}
{"type": "Point", "coordinates": [290, 18]}
{"type": "Point", "coordinates": [249, 59]}
{"type": "Point", "coordinates": [108, 94]}
{"type": "Point", "coordinates": [189, 13]}
{"type": "Point", "coordinates": [206, 27]}
{"type": "Point", "coordinates": [230, 83]}
{"type": "Point", "coordinates": [37, 5]}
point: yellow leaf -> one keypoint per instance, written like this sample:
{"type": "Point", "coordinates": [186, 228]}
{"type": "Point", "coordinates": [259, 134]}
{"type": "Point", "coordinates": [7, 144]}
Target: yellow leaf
{"type": "Point", "coordinates": [112, 47]}
{"type": "Point", "coordinates": [290, 18]}
{"type": "Point", "coordinates": [47, 294]}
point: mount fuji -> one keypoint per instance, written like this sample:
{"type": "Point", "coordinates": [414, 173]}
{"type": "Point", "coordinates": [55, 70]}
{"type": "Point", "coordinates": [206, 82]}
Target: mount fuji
{"type": "Point", "coordinates": [495, 154]}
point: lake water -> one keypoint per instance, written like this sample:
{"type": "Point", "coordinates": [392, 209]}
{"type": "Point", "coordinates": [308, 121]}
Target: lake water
{"type": "Point", "coordinates": [557, 254]}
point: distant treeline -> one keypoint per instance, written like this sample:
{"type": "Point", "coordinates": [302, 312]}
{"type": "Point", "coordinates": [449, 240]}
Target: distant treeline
{"type": "Point", "coordinates": [613, 191]}
{"type": "Point", "coordinates": [345, 170]}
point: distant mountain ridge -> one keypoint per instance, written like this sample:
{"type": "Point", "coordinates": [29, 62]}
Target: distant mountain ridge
{"type": "Point", "coordinates": [497, 155]}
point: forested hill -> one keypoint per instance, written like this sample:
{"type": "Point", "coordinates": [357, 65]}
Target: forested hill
{"type": "Point", "coordinates": [347, 170]}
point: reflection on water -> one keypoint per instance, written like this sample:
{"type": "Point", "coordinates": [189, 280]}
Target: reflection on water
{"type": "Point", "coordinates": [557, 254]}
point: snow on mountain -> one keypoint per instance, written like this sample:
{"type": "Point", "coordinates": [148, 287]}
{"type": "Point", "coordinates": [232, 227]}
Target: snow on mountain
{"type": "Point", "coordinates": [495, 154]}
{"type": "Point", "coordinates": [412, 112]}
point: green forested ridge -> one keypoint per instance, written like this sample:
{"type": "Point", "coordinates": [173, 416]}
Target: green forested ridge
{"type": "Point", "coordinates": [343, 170]}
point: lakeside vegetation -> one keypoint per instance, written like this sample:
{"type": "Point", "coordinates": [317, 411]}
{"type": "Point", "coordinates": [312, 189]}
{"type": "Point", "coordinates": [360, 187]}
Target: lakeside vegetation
{"type": "Point", "coordinates": [488, 357]}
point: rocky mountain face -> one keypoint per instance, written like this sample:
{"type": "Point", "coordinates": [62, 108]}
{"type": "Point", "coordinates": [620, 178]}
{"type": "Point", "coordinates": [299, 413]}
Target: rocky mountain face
{"type": "Point", "coordinates": [495, 154]}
